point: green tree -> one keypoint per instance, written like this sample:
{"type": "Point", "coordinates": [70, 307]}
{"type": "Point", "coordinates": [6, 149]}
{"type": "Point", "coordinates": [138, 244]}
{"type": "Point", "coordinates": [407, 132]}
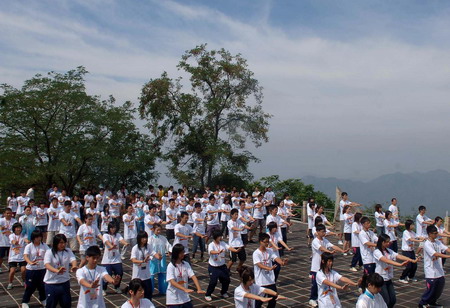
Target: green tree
{"type": "Point", "coordinates": [204, 131]}
{"type": "Point", "coordinates": [51, 130]}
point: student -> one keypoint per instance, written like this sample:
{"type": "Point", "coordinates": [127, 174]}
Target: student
{"type": "Point", "coordinates": [216, 266]}
{"type": "Point", "coordinates": [318, 246]}
{"type": "Point", "coordinates": [28, 222]}
{"type": "Point", "coordinates": [212, 222]}
{"type": "Point", "coordinates": [151, 218]}
{"type": "Point", "coordinates": [190, 210]}
{"type": "Point", "coordinates": [393, 208]}
{"type": "Point", "coordinates": [111, 257]}
{"type": "Point", "coordinates": [235, 227]}
{"type": "Point", "coordinates": [6, 224]}
{"type": "Point", "coordinates": [141, 254]}
{"type": "Point", "coordinates": [114, 209]}
{"type": "Point", "coordinates": [327, 283]}
{"type": "Point", "coordinates": [273, 216]}
{"type": "Point", "coordinates": [245, 217]}
{"type": "Point", "coordinates": [22, 202]}
{"type": "Point", "coordinates": [136, 291]}
{"type": "Point", "coordinates": [42, 220]}
{"type": "Point", "coordinates": [371, 285]}
{"type": "Point", "coordinates": [384, 257]}
{"type": "Point", "coordinates": [422, 221]}
{"type": "Point", "coordinates": [158, 265]}
{"type": "Point", "coordinates": [284, 214]}
{"type": "Point", "coordinates": [57, 280]}
{"type": "Point", "coordinates": [198, 218]}
{"type": "Point", "coordinates": [90, 278]}
{"type": "Point", "coordinates": [344, 201]}
{"type": "Point", "coordinates": [35, 270]}
{"type": "Point", "coordinates": [92, 209]}
{"type": "Point", "coordinates": [319, 210]}
{"type": "Point", "coordinates": [408, 240]}
{"type": "Point", "coordinates": [263, 259]}
{"type": "Point", "coordinates": [348, 221]}
{"type": "Point", "coordinates": [247, 293]}
{"type": "Point", "coordinates": [54, 223]}
{"type": "Point", "coordinates": [311, 210]}
{"type": "Point", "coordinates": [129, 226]}
{"type": "Point", "coordinates": [12, 202]}
{"type": "Point", "coordinates": [67, 226]}
{"type": "Point", "coordinates": [259, 214]}
{"type": "Point", "coordinates": [389, 228]}
{"type": "Point", "coordinates": [433, 253]}
{"type": "Point", "coordinates": [379, 219]}
{"type": "Point", "coordinates": [356, 229]}
{"type": "Point", "coordinates": [171, 219]}
{"type": "Point", "coordinates": [367, 244]}
{"type": "Point", "coordinates": [178, 274]}
{"type": "Point", "coordinates": [184, 233]}
{"type": "Point", "coordinates": [275, 242]}
{"type": "Point", "coordinates": [86, 236]}
{"type": "Point", "coordinates": [438, 223]}
{"type": "Point", "coordinates": [15, 258]}
{"type": "Point", "coordinates": [225, 217]}
{"type": "Point", "coordinates": [105, 219]}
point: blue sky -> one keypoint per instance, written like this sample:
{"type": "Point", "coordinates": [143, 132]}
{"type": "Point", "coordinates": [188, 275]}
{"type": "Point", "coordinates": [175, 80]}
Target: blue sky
{"type": "Point", "coordinates": [357, 88]}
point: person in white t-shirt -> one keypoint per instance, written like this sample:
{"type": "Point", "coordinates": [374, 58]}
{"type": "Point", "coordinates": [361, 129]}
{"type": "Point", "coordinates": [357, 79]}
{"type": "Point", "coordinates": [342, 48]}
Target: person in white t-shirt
{"type": "Point", "coordinates": [235, 228]}
{"type": "Point", "coordinates": [92, 209]}
{"type": "Point", "coordinates": [275, 242]}
{"type": "Point", "coordinates": [259, 214]}
{"type": "Point", "coordinates": [67, 226]}
{"type": "Point", "coordinates": [22, 202]}
{"type": "Point", "coordinates": [12, 202]}
{"type": "Point", "coordinates": [347, 216]}
{"type": "Point", "coordinates": [327, 282]}
{"type": "Point", "coordinates": [264, 266]}
{"type": "Point", "coordinates": [225, 217]}
{"type": "Point", "coordinates": [198, 218]}
{"type": "Point", "coordinates": [115, 206]}
{"type": "Point", "coordinates": [90, 279]}
{"type": "Point", "coordinates": [367, 244]}
{"type": "Point", "coordinates": [310, 212]}
{"type": "Point", "coordinates": [356, 229]}
{"type": "Point", "coordinates": [150, 219]}
{"type": "Point", "coordinates": [141, 253]}
{"type": "Point", "coordinates": [136, 291]}
{"type": "Point", "coordinates": [385, 259]}
{"type": "Point", "coordinates": [184, 233]}
{"type": "Point", "coordinates": [57, 261]}
{"type": "Point", "coordinates": [129, 227]}
{"type": "Point", "coordinates": [422, 221]}
{"type": "Point", "coordinates": [212, 218]}
{"type": "Point", "coordinates": [248, 293]}
{"type": "Point", "coordinates": [390, 225]}
{"type": "Point", "coordinates": [379, 219]}
{"type": "Point", "coordinates": [344, 201]}
{"type": "Point", "coordinates": [16, 251]}
{"type": "Point", "coordinates": [408, 240]}
{"type": "Point", "coordinates": [371, 285]}
{"type": "Point", "coordinates": [42, 220]}
{"type": "Point", "coordinates": [28, 221]}
{"type": "Point", "coordinates": [171, 219]}
{"type": "Point", "coordinates": [438, 223]}
{"type": "Point", "coordinates": [178, 274]}
{"type": "Point", "coordinates": [433, 253]}
{"type": "Point", "coordinates": [269, 195]}
{"type": "Point", "coordinates": [53, 221]}
{"type": "Point", "coordinates": [35, 270]}
{"type": "Point", "coordinates": [394, 209]}
{"type": "Point", "coordinates": [6, 223]}
{"type": "Point", "coordinates": [86, 236]}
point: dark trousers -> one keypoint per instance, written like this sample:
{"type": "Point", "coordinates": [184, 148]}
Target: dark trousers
{"type": "Point", "coordinates": [34, 280]}
{"type": "Point", "coordinates": [218, 273]}
{"type": "Point", "coordinates": [198, 241]}
{"type": "Point", "coordinates": [185, 305]}
{"type": "Point", "coordinates": [170, 234]}
{"type": "Point", "coordinates": [224, 228]}
{"type": "Point", "coordinates": [113, 269]}
{"type": "Point", "coordinates": [272, 303]}
{"type": "Point", "coordinates": [277, 270]}
{"type": "Point", "coordinates": [435, 286]}
{"type": "Point", "coordinates": [411, 268]}
{"type": "Point", "coordinates": [314, 288]}
{"type": "Point", "coordinates": [117, 222]}
{"type": "Point", "coordinates": [393, 245]}
{"type": "Point", "coordinates": [388, 293]}
{"type": "Point", "coordinates": [369, 268]}
{"type": "Point", "coordinates": [58, 294]}
{"type": "Point", "coordinates": [148, 288]}
{"type": "Point", "coordinates": [356, 257]}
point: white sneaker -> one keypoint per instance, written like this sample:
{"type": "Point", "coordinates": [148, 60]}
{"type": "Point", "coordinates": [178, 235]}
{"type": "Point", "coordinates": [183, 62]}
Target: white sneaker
{"type": "Point", "coordinates": [104, 293]}
{"type": "Point", "coordinates": [312, 303]}
{"type": "Point", "coordinates": [413, 280]}
{"type": "Point", "coordinates": [44, 302]}
{"type": "Point", "coordinates": [340, 243]}
{"type": "Point", "coordinates": [9, 287]}
{"type": "Point", "coordinates": [345, 254]}
{"type": "Point", "coordinates": [25, 305]}
{"type": "Point", "coordinates": [225, 295]}
{"type": "Point", "coordinates": [353, 269]}
{"type": "Point", "coordinates": [118, 291]}
{"type": "Point", "coordinates": [208, 298]}
{"type": "Point", "coordinates": [403, 281]}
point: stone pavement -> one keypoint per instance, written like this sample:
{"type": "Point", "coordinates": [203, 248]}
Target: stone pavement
{"type": "Point", "coordinates": [292, 283]}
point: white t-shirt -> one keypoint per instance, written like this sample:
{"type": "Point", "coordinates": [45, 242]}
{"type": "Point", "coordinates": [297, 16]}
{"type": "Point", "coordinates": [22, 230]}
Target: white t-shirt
{"type": "Point", "coordinates": [87, 200]}
{"type": "Point", "coordinates": [112, 256]}
{"type": "Point", "coordinates": [6, 225]}
{"type": "Point", "coordinates": [328, 296]}
{"type": "Point", "coordinates": [173, 213]}
{"type": "Point", "coordinates": [259, 210]}
{"type": "Point", "coordinates": [372, 301]}
{"type": "Point", "coordinates": [41, 217]}
{"type": "Point", "coordinates": [421, 227]}
{"type": "Point", "coordinates": [394, 210]}
{"type": "Point", "coordinates": [22, 202]}
{"type": "Point", "coordinates": [76, 205]}
{"type": "Point", "coordinates": [36, 253]}
{"type": "Point", "coordinates": [240, 301]}
{"type": "Point", "coordinates": [269, 196]}
{"type": "Point", "coordinates": [143, 303]}
{"type": "Point", "coordinates": [60, 259]}
{"type": "Point", "coordinates": [342, 204]}
{"type": "Point", "coordinates": [407, 244]}
{"type": "Point", "coordinates": [213, 218]}
{"type": "Point", "coordinates": [100, 201]}
{"type": "Point", "coordinates": [149, 221]}
{"type": "Point", "coordinates": [225, 216]}
{"type": "Point", "coordinates": [142, 270]}
{"type": "Point", "coordinates": [311, 215]}
{"type": "Point", "coordinates": [278, 220]}
{"type": "Point", "coordinates": [356, 227]}
{"type": "Point", "coordinates": [366, 251]}
{"type": "Point", "coordinates": [390, 230]}
{"type": "Point", "coordinates": [317, 253]}
{"type": "Point", "coordinates": [16, 251]}
{"type": "Point", "coordinates": [106, 219]}
{"type": "Point", "coordinates": [198, 220]}
{"type": "Point", "coordinates": [54, 223]}
{"type": "Point", "coordinates": [433, 265]}
{"type": "Point", "coordinates": [217, 259]}
{"type": "Point", "coordinates": [235, 239]}
{"type": "Point", "coordinates": [88, 235]}
{"type": "Point", "coordinates": [12, 203]}
{"type": "Point", "coordinates": [275, 238]}
{"type": "Point", "coordinates": [348, 218]}
{"type": "Point", "coordinates": [91, 297]}
{"type": "Point", "coordinates": [379, 218]}
{"type": "Point", "coordinates": [186, 230]}
{"type": "Point", "coordinates": [181, 274]}
{"type": "Point", "coordinates": [264, 277]}
{"type": "Point", "coordinates": [129, 226]}
{"type": "Point", "coordinates": [246, 215]}
{"type": "Point", "coordinates": [94, 212]}
{"type": "Point", "coordinates": [68, 231]}
{"type": "Point", "coordinates": [385, 270]}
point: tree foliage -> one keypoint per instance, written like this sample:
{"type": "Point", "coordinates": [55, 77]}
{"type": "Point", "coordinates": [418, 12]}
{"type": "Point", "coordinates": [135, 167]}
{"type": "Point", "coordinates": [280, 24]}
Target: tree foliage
{"type": "Point", "coordinates": [51, 130]}
{"type": "Point", "coordinates": [205, 130]}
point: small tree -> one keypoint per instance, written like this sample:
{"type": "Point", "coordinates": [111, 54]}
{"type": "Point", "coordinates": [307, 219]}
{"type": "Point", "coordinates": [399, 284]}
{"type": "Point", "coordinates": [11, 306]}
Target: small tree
{"type": "Point", "coordinates": [205, 130]}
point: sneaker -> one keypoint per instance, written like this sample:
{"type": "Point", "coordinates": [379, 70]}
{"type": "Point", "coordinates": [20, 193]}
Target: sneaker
{"type": "Point", "coordinates": [208, 298]}
{"type": "Point", "coordinates": [340, 243]}
{"type": "Point", "coordinates": [25, 305]}
{"type": "Point", "coordinates": [312, 303]}
{"type": "Point", "coordinates": [118, 291]}
{"type": "Point", "coordinates": [44, 302]}
{"type": "Point", "coordinates": [9, 287]}
{"type": "Point", "coordinates": [310, 276]}
{"type": "Point", "coordinates": [403, 281]}
{"type": "Point", "coordinates": [345, 254]}
{"type": "Point", "coordinates": [350, 253]}
{"type": "Point", "coordinates": [104, 293]}
{"type": "Point", "coordinates": [123, 258]}
{"type": "Point", "coordinates": [353, 269]}
{"type": "Point", "coordinates": [413, 279]}
{"type": "Point", "coordinates": [225, 295]}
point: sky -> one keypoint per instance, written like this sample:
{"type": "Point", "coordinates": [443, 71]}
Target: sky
{"type": "Point", "coordinates": [357, 89]}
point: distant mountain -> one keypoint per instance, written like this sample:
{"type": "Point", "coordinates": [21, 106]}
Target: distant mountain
{"type": "Point", "coordinates": [431, 189]}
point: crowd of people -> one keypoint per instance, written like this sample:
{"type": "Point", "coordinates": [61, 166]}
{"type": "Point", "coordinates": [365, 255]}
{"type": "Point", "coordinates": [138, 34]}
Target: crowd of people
{"type": "Point", "coordinates": [157, 230]}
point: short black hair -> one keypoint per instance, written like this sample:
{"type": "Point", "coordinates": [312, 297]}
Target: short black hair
{"type": "Point", "coordinates": [93, 251]}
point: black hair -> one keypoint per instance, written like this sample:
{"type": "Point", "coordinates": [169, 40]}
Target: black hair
{"type": "Point", "coordinates": [241, 202]}
{"type": "Point", "coordinates": [142, 234]}
{"type": "Point", "coordinates": [431, 229]}
{"type": "Point", "coordinates": [263, 236]}
{"type": "Point", "coordinates": [344, 194]}
{"type": "Point", "coordinates": [317, 221]}
{"type": "Point", "coordinates": [35, 234]}
{"type": "Point", "coordinates": [67, 202]}
{"type": "Point", "coordinates": [320, 228]}
{"type": "Point", "coordinates": [127, 206]}
{"type": "Point", "coordinates": [176, 250]}
{"type": "Point", "coordinates": [246, 273]}
{"type": "Point", "coordinates": [183, 214]}
{"type": "Point", "coordinates": [93, 251]}
{"type": "Point", "coordinates": [381, 239]}
{"type": "Point", "coordinates": [364, 220]}
{"type": "Point", "coordinates": [106, 209]}
{"type": "Point", "coordinates": [422, 207]}
{"type": "Point", "coordinates": [271, 208]}
{"type": "Point", "coordinates": [357, 217]}
{"type": "Point", "coordinates": [319, 206]}
{"type": "Point", "coordinates": [393, 199]}
{"type": "Point", "coordinates": [15, 226]}
{"type": "Point", "coordinates": [156, 225]}
{"type": "Point", "coordinates": [88, 216]}
{"type": "Point", "coordinates": [373, 279]}
{"type": "Point", "coordinates": [437, 219]}
{"type": "Point", "coordinates": [408, 224]}
{"type": "Point", "coordinates": [27, 207]}
{"type": "Point", "coordinates": [7, 210]}
{"type": "Point", "coordinates": [134, 286]}
{"type": "Point", "coordinates": [56, 240]}
{"type": "Point", "coordinates": [326, 256]}
{"type": "Point", "coordinates": [216, 234]}
{"type": "Point", "coordinates": [378, 208]}
{"type": "Point", "coordinates": [197, 205]}
{"type": "Point", "coordinates": [233, 211]}
{"type": "Point", "coordinates": [387, 213]}
{"type": "Point", "coordinates": [272, 225]}
{"type": "Point", "coordinates": [112, 225]}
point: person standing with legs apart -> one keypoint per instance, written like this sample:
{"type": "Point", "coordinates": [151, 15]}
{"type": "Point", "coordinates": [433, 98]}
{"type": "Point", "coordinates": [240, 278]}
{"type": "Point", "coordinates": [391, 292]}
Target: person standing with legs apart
{"type": "Point", "coordinates": [408, 240]}
{"type": "Point", "coordinates": [129, 226]}
{"type": "Point", "coordinates": [15, 258]}
{"type": "Point", "coordinates": [158, 265]}
{"type": "Point", "coordinates": [6, 223]}
{"type": "Point", "coordinates": [367, 244]}
{"type": "Point", "coordinates": [356, 229]}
